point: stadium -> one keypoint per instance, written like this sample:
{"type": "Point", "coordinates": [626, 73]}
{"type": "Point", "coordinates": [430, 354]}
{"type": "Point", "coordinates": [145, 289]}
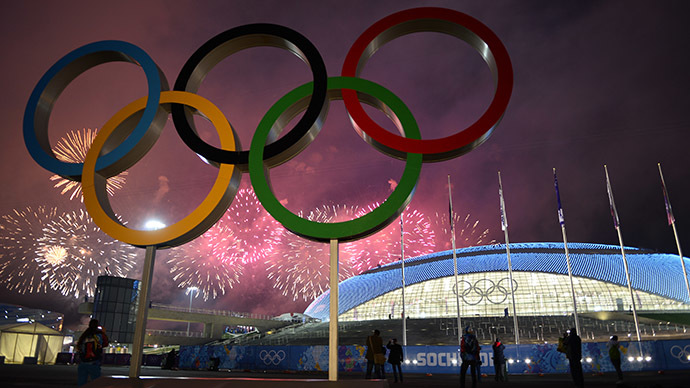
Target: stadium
{"type": "Point", "coordinates": [540, 282]}
{"type": "Point", "coordinates": [543, 298]}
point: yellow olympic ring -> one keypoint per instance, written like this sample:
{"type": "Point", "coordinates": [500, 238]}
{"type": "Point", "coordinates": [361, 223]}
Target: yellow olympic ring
{"type": "Point", "coordinates": [201, 219]}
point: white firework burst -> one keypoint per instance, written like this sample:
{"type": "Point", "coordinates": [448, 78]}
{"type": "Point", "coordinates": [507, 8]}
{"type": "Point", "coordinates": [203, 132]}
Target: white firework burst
{"type": "Point", "coordinates": [73, 149]}
{"type": "Point", "coordinates": [74, 252]}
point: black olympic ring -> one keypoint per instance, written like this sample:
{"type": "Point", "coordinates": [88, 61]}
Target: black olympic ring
{"type": "Point", "coordinates": [484, 292]}
{"type": "Point", "coordinates": [229, 42]}
{"type": "Point", "coordinates": [272, 357]}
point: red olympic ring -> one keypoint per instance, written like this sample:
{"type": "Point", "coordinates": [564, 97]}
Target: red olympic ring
{"type": "Point", "coordinates": [452, 23]}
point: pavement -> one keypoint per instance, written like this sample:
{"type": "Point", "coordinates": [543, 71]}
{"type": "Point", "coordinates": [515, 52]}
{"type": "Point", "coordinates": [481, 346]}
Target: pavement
{"type": "Point", "coordinates": [51, 376]}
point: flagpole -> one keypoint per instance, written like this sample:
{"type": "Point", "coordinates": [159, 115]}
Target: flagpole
{"type": "Point", "coordinates": [504, 226]}
{"type": "Point", "coordinates": [334, 263]}
{"type": "Point", "coordinates": [672, 222]}
{"type": "Point", "coordinates": [561, 219]}
{"type": "Point", "coordinates": [455, 261]}
{"type": "Point", "coordinates": [402, 261]}
{"type": "Point", "coordinates": [616, 224]}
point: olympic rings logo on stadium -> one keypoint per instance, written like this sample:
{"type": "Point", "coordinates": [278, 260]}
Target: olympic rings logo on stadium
{"type": "Point", "coordinates": [495, 293]}
{"type": "Point", "coordinates": [125, 138]}
{"type": "Point", "coordinates": [272, 357]}
{"type": "Point", "coordinates": [681, 354]}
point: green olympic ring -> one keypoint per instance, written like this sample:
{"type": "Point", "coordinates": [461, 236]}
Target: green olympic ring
{"type": "Point", "coordinates": [292, 104]}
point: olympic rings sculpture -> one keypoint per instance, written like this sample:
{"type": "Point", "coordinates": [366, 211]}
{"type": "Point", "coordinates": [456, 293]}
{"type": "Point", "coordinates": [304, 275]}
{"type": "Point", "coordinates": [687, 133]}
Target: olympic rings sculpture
{"type": "Point", "coordinates": [495, 293]}
{"type": "Point", "coordinates": [130, 133]}
{"type": "Point", "coordinates": [272, 357]}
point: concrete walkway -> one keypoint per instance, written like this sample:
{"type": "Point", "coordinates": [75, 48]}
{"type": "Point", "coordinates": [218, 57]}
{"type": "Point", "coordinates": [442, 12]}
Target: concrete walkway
{"type": "Point", "coordinates": [44, 376]}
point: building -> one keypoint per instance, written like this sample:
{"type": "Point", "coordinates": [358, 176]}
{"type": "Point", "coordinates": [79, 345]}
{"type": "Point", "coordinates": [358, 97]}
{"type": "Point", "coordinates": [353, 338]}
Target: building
{"type": "Point", "coordinates": [30, 343]}
{"type": "Point", "coordinates": [115, 306]}
{"type": "Point", "coordinates": [21, 314]}
{"type": "Point", "coordinates": [540, 283]}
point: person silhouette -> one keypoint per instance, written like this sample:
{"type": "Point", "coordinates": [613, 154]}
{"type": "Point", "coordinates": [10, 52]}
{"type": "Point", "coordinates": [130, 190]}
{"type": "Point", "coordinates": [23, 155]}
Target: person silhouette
{"type": "Point", "coordinates": [90, 349]}
{"type": "Point", "coordinates": [469, 350]}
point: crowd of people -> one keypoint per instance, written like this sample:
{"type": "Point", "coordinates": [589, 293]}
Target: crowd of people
{"type": "Point", "coordinates": [570, 344]}
{"type": "Point", "coordinates": [92, 341]}
{"type": "Point", "coordinates": [376, 357]}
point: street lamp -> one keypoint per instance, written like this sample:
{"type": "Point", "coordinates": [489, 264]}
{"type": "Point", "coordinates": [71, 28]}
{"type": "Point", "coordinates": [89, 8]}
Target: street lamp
{"type": "Point", "coordinates": [153, 225]}
{"type": "Point", "coordinates": [190, 292]}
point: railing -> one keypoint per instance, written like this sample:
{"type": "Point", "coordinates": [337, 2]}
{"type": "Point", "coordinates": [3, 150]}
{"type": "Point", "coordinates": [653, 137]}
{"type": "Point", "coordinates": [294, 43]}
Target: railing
{"type": "Point", "coordinates": [213, 312]}
{"type": "Point", "coordinates": [173, 333]}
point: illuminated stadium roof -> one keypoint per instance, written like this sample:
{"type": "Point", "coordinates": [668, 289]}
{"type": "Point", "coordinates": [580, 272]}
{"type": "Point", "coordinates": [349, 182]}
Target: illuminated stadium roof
{"type": "Point", "coordinates": [651, 272]}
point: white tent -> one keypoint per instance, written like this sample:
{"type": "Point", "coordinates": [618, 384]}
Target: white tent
{"type": "Point", "coordinates": [19, 340]}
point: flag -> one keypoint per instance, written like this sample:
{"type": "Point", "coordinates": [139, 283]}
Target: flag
{"type": "Point", "coordinates": [450, 207]}
{"type": "Point", "coordinates": [504, 219]}
{"type": "Point", "coordinates": [450, 214]}
{"type": "Point", "coordinates": [561, 218]}
{"type": "Point", "coordinates": [669, 211]}
{"type": "Point", "coordinates": [401, 228]}
{"type": "Point", "coordinates": [612, 204]}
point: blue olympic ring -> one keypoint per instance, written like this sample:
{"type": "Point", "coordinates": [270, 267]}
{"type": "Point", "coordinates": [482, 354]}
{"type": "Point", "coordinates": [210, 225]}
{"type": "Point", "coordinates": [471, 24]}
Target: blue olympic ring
{"type": "Point", "coordinates": [56, 79]}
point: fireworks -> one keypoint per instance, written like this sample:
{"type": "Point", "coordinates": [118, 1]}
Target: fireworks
{"type": "Point", "coordinates": [54, 254]}
{"type": "Point", "coordinates": [302, 268]}
{"type": "Point", "coordinates": [73, 149]}
{"type": "Point", "coordinates": [256, 232]}
{"type": "Point", "coordinates": [215, 261]}
{"type": "Point", "coordinates": [336, 213]}
{"type": "Point", "coordinates": [384, 246]}
{"type": "Point", "coordinates": [467, 232]}
{"type": "Point", "coordinates": [74, 252]}
{"type": "Point", "coordinates": [20, 233]}
{"type": "Point", "coordinates": [209, 262]}
{"type": "Point", "coordinates": [42, 249]}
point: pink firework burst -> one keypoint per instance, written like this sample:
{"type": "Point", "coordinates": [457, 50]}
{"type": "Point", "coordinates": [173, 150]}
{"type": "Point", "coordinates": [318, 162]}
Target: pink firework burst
{"type": "Point", "coordinates": [256, 232]}
{"type": "Point", "coordinates": [468, 233]}
{"type": "Point", "coordinates": [73, 149]}
{"type": "Point", "coordinates": [208, 262]}
{"type": "Point", "coordinates": [302, 268]}
{"type": "Point", "coordinates": [384, 247]}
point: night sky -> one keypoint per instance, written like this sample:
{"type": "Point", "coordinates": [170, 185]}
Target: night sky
{"type": "Point", "coordinates": [594, 83]}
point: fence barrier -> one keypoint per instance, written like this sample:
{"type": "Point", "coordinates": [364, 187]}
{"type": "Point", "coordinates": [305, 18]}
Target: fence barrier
{"type": "Point", "coordinates": [532, 358]}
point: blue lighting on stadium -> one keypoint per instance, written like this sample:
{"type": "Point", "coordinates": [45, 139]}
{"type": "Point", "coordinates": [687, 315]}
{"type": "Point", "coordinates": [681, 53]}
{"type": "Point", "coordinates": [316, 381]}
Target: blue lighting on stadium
{"type": "Point", "coordinates": [657, 273]}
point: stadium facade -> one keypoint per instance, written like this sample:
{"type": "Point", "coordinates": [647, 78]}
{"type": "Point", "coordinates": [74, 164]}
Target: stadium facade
{"type": "Point", "coordinates": [540, 283]}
